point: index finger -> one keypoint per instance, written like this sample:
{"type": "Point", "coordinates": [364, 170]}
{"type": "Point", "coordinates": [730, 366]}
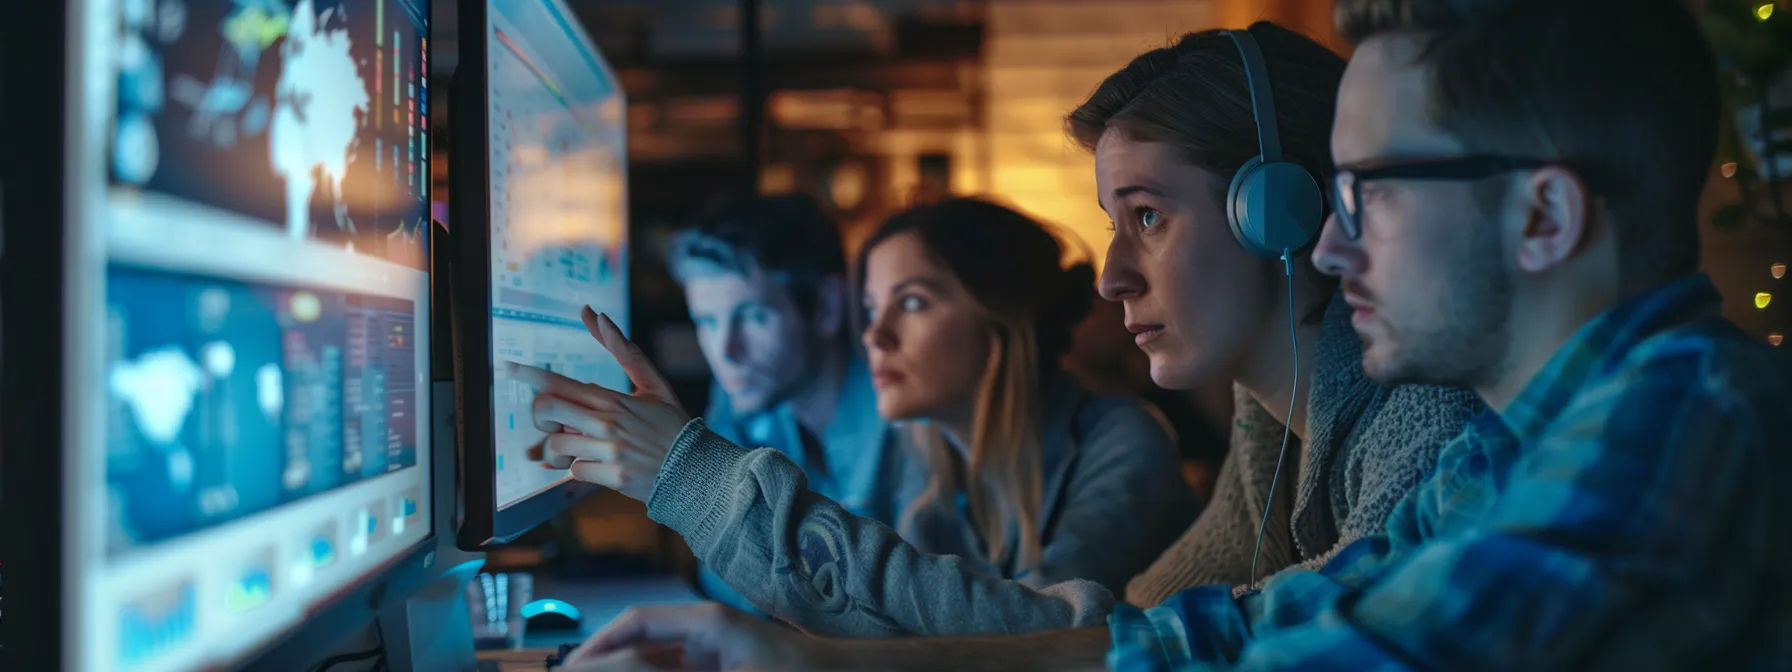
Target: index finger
{"type": "Point", "coordinates": [548, 382]}
{"type": "Point", "coordinates": [634, 362]}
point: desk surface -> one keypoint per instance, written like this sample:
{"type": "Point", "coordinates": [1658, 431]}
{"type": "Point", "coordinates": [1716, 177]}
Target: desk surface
{"type": "Point", "coordinates": [519, 660]}
{"type": "Point", "coordinates": [601, 601]}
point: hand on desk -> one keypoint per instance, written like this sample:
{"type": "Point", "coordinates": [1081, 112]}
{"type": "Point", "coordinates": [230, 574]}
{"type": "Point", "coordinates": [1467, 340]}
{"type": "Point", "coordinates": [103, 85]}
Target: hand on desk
{"type": "Point", "coordinates": [603, 436]}
{"type": "Point", "coordinates": [706, 636]}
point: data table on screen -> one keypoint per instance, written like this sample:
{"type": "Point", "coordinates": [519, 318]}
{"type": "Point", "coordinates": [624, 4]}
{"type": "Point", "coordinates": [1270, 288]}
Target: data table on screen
{"type": "Point", "coordinates": [558, 232]}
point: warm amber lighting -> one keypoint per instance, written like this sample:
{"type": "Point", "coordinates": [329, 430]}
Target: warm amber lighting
{"type": "Point", "coordinates": [848, 184]}
{"type": "Point", "coordinates": [1728, 169]}
{"type": "Point", "coordinates": [1764, 11]}
{"type": "Point", "coordinates": [1778, 271]}
{"type": "Point", "coordinates": [1774, 339]}
{"type": "Point", "coordinates": [1762, 299]}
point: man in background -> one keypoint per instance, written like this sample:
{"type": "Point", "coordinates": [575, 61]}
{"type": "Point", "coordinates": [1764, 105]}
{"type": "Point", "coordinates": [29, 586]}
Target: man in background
{"type": "Point", "coordinates": [765, 281]}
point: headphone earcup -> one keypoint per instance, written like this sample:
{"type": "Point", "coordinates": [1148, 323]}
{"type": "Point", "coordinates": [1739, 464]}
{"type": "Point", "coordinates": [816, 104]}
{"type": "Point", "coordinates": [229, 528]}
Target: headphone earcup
{"type": "Point", "coordinates": [1273, 207]}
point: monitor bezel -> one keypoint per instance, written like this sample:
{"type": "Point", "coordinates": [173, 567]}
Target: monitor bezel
{"type": "Point", "coordinates": [34, 174]}
{"type": "Point", "coordinates": [483, 524]}
{"type": "Point", "coordinates": [37, 278]}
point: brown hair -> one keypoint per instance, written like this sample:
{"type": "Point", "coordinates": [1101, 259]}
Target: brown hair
{"type": "Point", "coordinates": [1033, 305]}
{"type": "Point", "coordinates": [788, 237]}
{"type": "Point", "coordinates": [1194, 96]}
{"type": "Point", "coordinates": [1624, 92]}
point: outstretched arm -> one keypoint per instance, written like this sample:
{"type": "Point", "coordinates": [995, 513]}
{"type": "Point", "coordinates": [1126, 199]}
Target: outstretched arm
{"type": "Point", "coordinates": [713, 636]}
{"type": "Point", "coordinates": [751, 518]}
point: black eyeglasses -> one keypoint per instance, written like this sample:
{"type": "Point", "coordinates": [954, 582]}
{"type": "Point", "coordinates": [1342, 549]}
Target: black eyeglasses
{"type": "Point", "coordinates": [1347, 185]}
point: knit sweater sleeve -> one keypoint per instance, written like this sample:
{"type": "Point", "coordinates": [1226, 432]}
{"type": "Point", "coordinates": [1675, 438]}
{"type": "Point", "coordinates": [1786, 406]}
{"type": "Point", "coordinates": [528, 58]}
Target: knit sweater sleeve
{"type": "Point", "coordinates": [1217, 548]}
{"type": "Point", "coordinates": [751, 518]}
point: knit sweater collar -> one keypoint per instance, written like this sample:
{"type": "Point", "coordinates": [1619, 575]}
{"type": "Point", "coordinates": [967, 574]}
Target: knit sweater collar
{"type": "Point", "coordinates": [1340, 396]}
{"type": "Point", "coordinates": [1340, 400]}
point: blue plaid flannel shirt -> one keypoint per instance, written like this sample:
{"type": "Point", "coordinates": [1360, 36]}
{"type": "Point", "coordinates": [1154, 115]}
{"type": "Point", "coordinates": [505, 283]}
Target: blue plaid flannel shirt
{"type": "Point", "coordinates": [1629, 510]}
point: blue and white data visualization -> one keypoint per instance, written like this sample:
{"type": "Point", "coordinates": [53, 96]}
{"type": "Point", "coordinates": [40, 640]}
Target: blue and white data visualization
{"type": "Point", "coordinates": [558, 218]}
{"type": "Point", "coordinates": [251, 300]}
{"type": "Point", "coordinates": [310, 118]}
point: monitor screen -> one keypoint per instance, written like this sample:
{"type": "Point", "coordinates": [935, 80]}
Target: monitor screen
{"type": "Point", "coordinates": [558, 238]}
{"type": "Point", "coordinates": [250, 297]}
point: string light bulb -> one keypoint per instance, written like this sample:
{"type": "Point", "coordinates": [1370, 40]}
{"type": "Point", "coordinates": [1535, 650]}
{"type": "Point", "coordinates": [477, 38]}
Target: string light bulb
{"type": "Point", "coordinates": [1762, 299]}
{"type": "Point", "coordinates": [1778, 270]}
{"type": "Point", "coordinates": [1764, 10]}
{"type": "Point", "coordinates": [1774, 339]}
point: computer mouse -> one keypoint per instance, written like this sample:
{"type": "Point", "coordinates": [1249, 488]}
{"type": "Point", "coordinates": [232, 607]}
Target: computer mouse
{"type": "Point", "coordinates": [551, 614]}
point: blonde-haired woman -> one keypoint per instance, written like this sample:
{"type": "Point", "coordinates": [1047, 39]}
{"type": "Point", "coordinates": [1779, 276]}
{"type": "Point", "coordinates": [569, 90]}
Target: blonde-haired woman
{"type": "Point", "coordinates": [1016, 472]}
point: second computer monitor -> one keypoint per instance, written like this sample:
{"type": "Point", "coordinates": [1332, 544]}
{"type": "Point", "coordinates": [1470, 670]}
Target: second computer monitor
{"type": "Point", "coordinates": [542, 159]}
{"type": "Point", "coordinates": [245, 325]}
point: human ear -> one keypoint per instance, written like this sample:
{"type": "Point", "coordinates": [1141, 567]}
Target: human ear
{"type": "Point", "coordinates": [1557, 219]}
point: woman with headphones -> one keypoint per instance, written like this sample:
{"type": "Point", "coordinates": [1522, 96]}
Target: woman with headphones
{"type": "Point", "coordinates": [1208, 158]}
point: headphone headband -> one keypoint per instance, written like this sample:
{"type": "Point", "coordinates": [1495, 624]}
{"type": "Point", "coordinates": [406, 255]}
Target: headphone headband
{"type": "Point", "coordinates": [1263, 102]}
{"type": "Point", "coordinates": [1274, 206]}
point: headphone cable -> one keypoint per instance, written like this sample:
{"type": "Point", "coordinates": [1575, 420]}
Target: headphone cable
{"type": "Point", "coordinates": [1288, 420]}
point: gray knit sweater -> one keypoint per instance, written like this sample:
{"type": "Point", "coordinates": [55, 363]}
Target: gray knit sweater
{"type": "Point", "coordinates": [831, 575]}
{"type": "Point", "coordinates": [1367, 447]}
{"type": "Point", "coordinates": [749, 516]}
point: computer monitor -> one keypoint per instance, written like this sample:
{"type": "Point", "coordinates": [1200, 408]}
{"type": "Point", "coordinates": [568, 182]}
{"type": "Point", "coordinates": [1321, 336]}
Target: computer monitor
{"type": "Point", "coordinates": [538, 203]}
{"type": "Point", "coordinates": [244, 409]}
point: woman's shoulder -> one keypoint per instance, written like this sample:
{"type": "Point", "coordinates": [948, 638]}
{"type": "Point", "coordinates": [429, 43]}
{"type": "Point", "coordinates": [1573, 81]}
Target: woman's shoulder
{"type": "Point", "coordinates": [1103, 423]}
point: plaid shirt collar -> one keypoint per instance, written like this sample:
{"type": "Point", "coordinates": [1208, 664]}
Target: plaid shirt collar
{"type": "Point", "coordinates": [1602, 344]}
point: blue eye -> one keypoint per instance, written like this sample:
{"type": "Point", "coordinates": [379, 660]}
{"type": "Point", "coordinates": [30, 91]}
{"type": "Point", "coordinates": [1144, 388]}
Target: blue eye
{"type": "Point", "coordinates": [1149, 218]}
{"type": "Point", "coordinates": [912, 303]}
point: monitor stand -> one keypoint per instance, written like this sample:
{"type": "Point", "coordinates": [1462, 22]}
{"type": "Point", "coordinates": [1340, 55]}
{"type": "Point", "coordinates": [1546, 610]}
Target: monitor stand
{"type": "Point", "coordinates": [432, 630]}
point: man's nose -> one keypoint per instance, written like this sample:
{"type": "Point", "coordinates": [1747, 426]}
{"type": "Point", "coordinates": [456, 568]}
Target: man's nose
{"type": "Point", "coordinates": [1336, 254]}
{"type": "Point", "coordinates": [734, 344]}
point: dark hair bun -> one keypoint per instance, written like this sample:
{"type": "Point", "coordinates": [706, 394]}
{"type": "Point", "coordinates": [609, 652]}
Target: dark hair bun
{"type": "Point", "coordinates": [1078, 294]}
{"type": "Point", "coordinates": [1060, 315]}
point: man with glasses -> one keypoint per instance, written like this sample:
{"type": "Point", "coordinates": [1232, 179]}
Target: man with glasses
{"type": "Point", "coordinates": [1516, 212]}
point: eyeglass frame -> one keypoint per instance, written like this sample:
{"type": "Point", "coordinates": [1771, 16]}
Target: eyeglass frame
{"type": "Point", "coordinates": [1454, 168]}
